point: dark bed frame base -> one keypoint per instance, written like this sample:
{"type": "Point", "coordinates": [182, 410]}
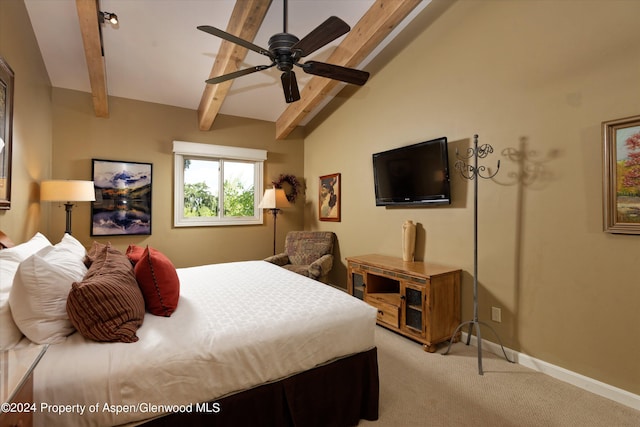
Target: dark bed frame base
{"type": "Point", "coordinates": [335, 395]}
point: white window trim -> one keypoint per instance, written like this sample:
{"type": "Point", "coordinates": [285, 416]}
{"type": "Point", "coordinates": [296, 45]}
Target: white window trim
{"type": "Point", "coordinates": [182, 148]}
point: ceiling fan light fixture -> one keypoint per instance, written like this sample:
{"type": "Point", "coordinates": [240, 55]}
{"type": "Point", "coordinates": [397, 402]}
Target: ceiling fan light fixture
{"type": "Point", "coordinates": [286, 50]}
{"type": "Point", "coordinates": [108, 17]}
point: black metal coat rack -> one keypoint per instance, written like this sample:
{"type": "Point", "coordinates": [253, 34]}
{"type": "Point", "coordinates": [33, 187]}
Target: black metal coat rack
{"type": "Point", "coordinates": [474, 173]}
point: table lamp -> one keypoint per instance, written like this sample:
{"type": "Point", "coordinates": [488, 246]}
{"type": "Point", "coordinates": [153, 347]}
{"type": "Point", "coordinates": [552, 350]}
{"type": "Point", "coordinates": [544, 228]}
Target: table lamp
{"type": "Point", "coordinates": [68, 191]}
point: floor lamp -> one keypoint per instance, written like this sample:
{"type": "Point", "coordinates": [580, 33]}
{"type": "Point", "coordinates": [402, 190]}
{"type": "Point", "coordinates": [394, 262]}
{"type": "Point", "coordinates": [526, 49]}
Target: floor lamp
{"type": "Point", "coordinates": [274, 199]}
{"type": "Point", "coordinates": [68, 191]}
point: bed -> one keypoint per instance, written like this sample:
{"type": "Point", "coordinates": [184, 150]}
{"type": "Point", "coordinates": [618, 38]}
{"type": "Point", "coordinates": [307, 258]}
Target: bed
{"type": "Point", "coordinates": [248, 343]}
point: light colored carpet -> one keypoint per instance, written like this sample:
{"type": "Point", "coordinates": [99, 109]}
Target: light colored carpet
{"type": "Point", "coordinates": [429, 389]}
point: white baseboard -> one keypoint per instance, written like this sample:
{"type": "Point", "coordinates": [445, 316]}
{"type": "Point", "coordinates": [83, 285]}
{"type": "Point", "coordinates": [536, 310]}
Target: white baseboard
{"type": "Point", "coordinates": [589, 384]}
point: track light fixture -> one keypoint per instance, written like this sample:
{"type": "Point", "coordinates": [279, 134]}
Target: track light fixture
{"type": "Point", "coordinates": [108, 17]}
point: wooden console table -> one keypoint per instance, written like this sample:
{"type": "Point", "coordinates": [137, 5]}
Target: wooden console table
{"type": "Point", "coordinates": [419, 300]}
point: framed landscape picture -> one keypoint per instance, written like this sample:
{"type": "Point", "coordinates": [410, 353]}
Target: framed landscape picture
{"type": "Point", "coordinates": [6, 123]}
{"type": "Point", "coordinates": [621, 183]}
{"type": "Point", "coordinates": [123, 198]}
{"type": "Point", "coordinates": [329, 197]}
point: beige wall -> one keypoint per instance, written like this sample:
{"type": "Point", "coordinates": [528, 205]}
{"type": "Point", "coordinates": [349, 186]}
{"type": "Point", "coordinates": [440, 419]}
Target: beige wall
{"type": "Point", "coordinates": [32, 123]}
{"type": "Point", "coordinates": [143, 132]}
{"type": "Point", "coordinates": [534, 75]}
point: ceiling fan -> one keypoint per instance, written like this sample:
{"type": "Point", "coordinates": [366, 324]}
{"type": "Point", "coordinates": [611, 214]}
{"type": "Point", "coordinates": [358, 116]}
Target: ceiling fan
{"type": "Point", "coordinates": [286, 50]}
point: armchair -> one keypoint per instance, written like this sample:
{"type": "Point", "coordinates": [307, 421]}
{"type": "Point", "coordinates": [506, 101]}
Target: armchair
{"type": "Point", "coordinates": [309, 253]}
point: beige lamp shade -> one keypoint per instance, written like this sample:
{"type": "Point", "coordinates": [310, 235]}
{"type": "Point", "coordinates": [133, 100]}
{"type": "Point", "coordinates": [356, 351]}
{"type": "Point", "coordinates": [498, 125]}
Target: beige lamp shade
{"type": "Point", "coordinates": [67, 191]}
{"type": "Point", "coordinates": [274, 198]}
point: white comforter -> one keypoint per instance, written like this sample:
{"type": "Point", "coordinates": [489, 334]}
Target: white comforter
{"type": "Point", "coordinates": [237, 325]}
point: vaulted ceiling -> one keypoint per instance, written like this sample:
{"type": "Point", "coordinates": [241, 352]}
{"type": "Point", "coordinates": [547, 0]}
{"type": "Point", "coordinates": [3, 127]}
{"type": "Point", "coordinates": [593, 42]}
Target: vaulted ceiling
{"type": "Point", "coordinates": [156, 54]}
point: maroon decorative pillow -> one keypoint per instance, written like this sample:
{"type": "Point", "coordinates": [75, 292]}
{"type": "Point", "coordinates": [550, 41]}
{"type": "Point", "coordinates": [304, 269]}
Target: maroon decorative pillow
{"type": "Point", "coordinates": [107, 305]}
{"type": "Point", "coordinates": [134, 253]}
{"type": "Point", "coordinates": [158, 280]}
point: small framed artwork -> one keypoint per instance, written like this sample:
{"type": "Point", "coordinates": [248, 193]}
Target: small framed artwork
{"type": "Point", "coordinates": [6, 132]}
{"type": "Point", "coordinates": [329, 197]}
{"type": "Point", "coordinates": [621, 183]}
{"type": "Point", "coordinates": [123, 198]}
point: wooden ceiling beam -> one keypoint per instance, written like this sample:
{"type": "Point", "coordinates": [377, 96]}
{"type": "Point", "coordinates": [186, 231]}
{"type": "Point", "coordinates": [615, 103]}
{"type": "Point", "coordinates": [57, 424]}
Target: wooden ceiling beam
{"type": "Point", "coordinates": [246, 19]}
{"type": "Point", "coordinates": [376, 24]}
{"type": "Point", "coordinates": [90, 30]}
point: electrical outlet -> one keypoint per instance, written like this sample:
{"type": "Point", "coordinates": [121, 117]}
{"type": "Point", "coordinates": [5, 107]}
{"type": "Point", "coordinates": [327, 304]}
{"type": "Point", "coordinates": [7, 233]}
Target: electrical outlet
{"type": "Point", "coordinates": [496, 314]}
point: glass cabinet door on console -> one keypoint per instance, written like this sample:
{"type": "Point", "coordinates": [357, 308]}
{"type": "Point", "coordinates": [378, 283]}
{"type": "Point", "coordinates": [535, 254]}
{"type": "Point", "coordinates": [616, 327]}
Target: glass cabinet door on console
{"type": "Point", "coordinates": [414, 307]}
{"type": "Point", "coordinates": [356, 283]}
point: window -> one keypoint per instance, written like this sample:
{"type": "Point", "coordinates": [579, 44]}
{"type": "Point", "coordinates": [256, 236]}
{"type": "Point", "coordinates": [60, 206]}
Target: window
{"type": "Point", "coordinates": [216, 185]}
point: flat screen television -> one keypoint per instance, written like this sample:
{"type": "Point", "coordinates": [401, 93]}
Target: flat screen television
{"type": "Point", "coordinates": [414, 175]}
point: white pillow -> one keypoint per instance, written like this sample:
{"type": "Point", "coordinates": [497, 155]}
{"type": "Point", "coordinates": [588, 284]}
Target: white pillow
{"type": "Point", "coordinates": [9, 261]}
{"type": "Point", "coordinates": [41, 285]}
{"type": "Point", "coordinates": [71, 244]}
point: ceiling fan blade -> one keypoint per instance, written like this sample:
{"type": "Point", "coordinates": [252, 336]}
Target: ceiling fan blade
{"type": "Point", "coordinates": [336, 72]}
{"type": "Point", "coordinates": [290, 86]}
{"type": "Point", "coordinates": [239, 73]}
{"type": "Point", "coordinates": [323, 34]}
{"type": "Point", "coordinates": [234, 39]}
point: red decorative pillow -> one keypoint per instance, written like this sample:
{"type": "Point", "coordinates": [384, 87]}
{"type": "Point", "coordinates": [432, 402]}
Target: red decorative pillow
{"type": "Point", "coordinates": [158, 280]}
{"type": "Point", "coordinates": [134, 253]}
{"type": "Point", "coordinates": [107, 305]}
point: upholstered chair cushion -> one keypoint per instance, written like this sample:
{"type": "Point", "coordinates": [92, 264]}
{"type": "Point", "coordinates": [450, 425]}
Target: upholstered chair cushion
{"type": "Point", "coordinates": [304, 247]}
{"type": "Point", "coordinates": [309, 253]}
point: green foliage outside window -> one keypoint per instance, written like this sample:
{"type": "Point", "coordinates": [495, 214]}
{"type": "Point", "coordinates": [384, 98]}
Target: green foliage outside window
{"type": "Point", "coordinates": [199, 200]}
{"type": "Point", "coordinates": [238, 201]}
